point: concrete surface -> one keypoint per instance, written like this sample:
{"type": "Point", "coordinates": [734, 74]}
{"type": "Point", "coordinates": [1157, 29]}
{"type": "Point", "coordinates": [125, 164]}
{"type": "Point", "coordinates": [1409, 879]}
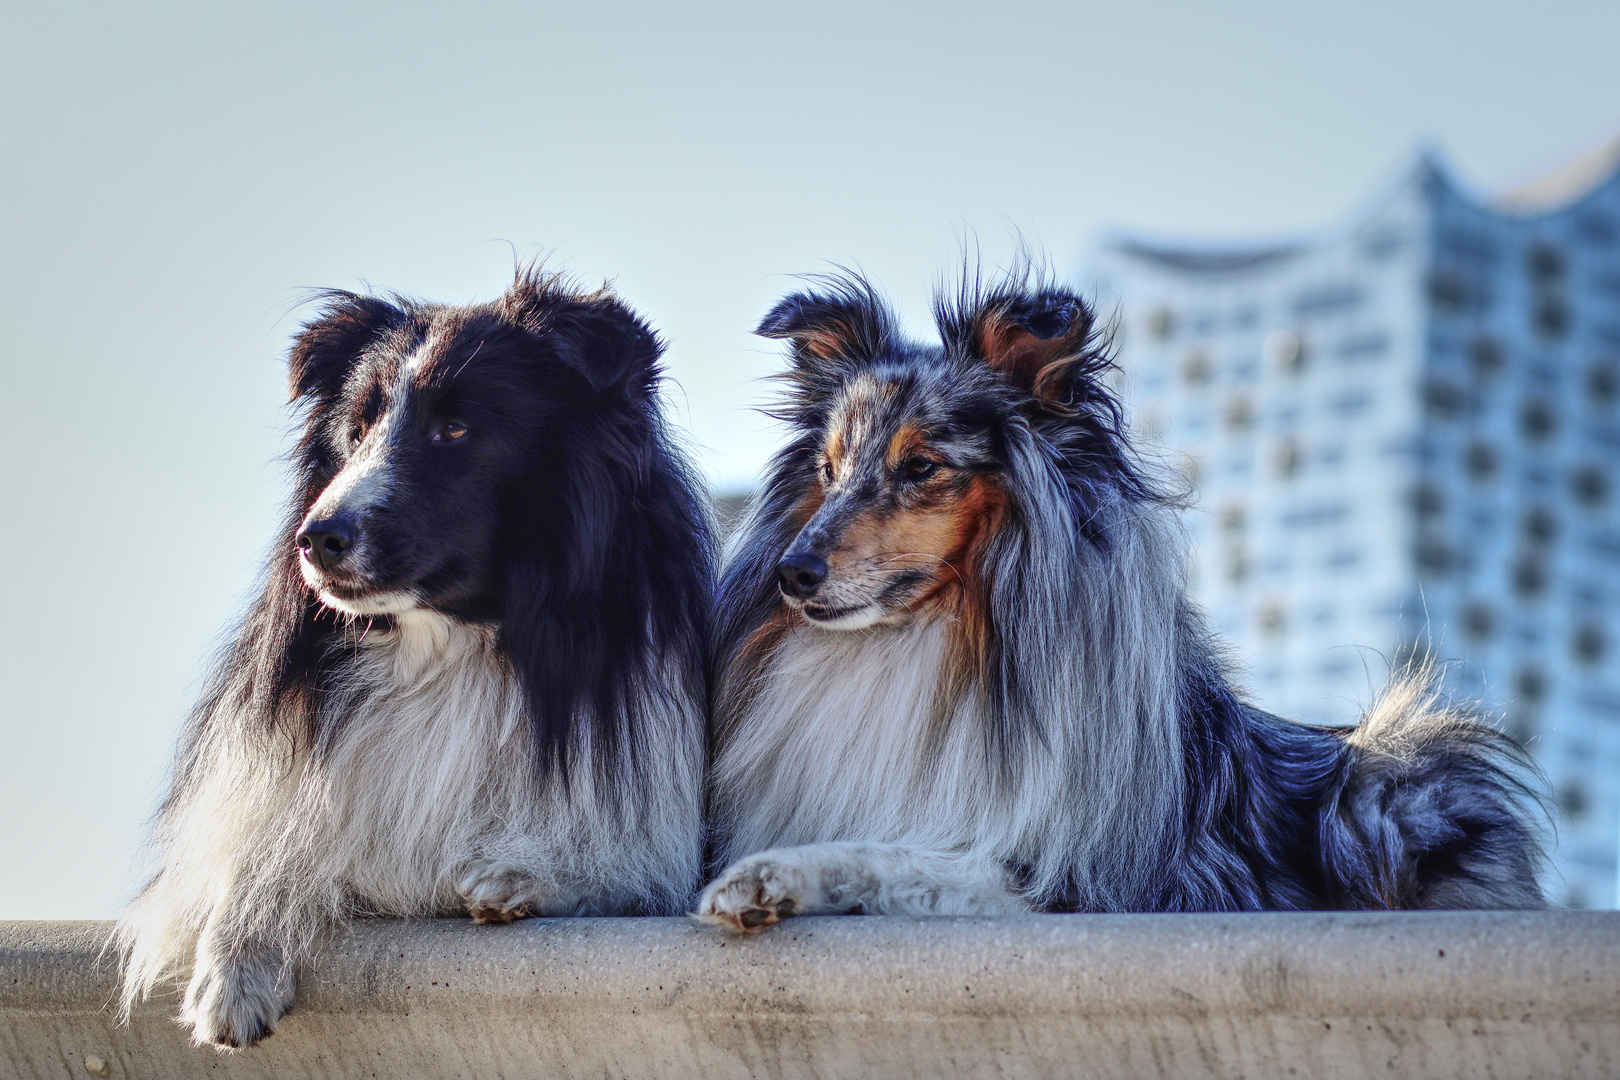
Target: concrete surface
{"type": "Point", "coordinates": [1471, 995]}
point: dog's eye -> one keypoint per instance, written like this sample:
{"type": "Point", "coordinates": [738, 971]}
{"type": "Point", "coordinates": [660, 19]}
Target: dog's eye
{"type": "Point", "coordinates": [450, 431]}
{"type": "Point", "coordinates": [826, 472]}
{"type": "Point", "coordinates": [918, 468]}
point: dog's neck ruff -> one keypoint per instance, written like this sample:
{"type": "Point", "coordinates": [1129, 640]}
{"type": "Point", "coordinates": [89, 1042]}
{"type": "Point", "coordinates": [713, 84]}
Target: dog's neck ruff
{"type": "Point", "coordinates": [427, 735]}
{"type": "Point", "coordinates": [848, 734]}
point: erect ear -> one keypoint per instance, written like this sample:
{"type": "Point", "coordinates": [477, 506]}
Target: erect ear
{"type": "Point", "coordinates": [1041, 342]}
{"type": "Point", "coordinates": [846, 322]}
{"type": "Point", "coordinates": [328, 345]}
{"type": "Point", "coordinates": [594, 333]}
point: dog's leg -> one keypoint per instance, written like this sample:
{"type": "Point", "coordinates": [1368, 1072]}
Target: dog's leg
{"type": "Point", "coordinates": [239, 987]}
{"type": "Point", "coordinates": [498, 891]}
{"type": "Point", "coordinates": [873, 879]}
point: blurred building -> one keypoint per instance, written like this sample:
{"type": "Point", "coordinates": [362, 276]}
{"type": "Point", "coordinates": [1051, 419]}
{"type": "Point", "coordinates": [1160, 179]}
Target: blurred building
{"type": "Point", "coordinates": [1401, 434]}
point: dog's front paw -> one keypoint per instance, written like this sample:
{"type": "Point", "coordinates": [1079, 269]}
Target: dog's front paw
{"type": "Point", "coordinates": [755, 893]}
{"type": "Point", "coordinates": [234, 1004]}
{"type": "Point", "coordinates": [496, 891]}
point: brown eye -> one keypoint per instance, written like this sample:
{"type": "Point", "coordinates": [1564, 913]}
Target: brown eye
{"type": "Point", "coordinates": [450, 431]}
{"type": "Point", "coordinates": [827, 472]}
{"type": "Point", "coordinates": [918, 468]}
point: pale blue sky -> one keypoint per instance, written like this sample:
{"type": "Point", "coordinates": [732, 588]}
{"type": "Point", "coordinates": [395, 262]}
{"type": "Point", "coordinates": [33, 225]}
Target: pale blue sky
{"type": "Point", "coordinates": [173, 176]}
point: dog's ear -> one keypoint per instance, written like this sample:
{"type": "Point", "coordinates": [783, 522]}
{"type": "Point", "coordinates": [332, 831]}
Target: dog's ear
{"type": "Point", "coordinates": [1043, 343]}
{"type": "Point", "coordinates": [595, 334]}
{"type": "Point", "coordinates": [328, 345]}
{"type": "Point", "coordinates": [848, 322]}
{"type": "Point", "coordinates": [608, 344]}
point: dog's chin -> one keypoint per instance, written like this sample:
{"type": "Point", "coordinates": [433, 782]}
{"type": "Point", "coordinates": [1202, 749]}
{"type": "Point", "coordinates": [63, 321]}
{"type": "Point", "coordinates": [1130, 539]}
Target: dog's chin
{"type": "Point", "coordinates": [358, 600]}
{"type": "Point", "coordinates": [391, 602]}
{"type": "Point", "coordinates": [858, 617]}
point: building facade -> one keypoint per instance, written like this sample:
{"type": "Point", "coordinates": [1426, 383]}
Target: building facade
{"type": "Point", "coordinates": [1405, 435]}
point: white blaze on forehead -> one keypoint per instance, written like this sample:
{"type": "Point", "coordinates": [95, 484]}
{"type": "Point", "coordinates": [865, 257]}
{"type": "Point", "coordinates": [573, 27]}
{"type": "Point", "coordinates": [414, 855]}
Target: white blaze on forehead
{"type": "Point", "coordinates": [367, 477]}
{"type": "Point", "coordinates": [852, 418]}
{"type": "Point", "coordinates": [431, 344]}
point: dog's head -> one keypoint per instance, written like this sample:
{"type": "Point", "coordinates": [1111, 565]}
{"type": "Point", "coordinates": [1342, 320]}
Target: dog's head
{"type": "Point", "coordinates": [904, 451]}
{"type": "Point", "coordinates": [438, 437]}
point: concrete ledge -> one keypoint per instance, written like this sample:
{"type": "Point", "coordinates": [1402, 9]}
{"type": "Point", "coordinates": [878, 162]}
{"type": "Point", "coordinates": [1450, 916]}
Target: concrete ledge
{"type": "Point", "coordinates": [1321, 995]}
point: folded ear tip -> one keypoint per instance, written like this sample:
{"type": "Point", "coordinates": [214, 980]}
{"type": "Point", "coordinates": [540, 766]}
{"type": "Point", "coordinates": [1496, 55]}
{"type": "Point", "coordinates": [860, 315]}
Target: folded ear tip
{"type": "Point", "coordinates": [782, 320]}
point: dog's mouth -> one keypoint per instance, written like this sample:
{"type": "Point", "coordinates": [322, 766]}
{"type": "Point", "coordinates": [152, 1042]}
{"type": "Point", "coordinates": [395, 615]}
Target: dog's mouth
{"type": "Point", "coordinates": [851, 617]}
{"type": "Point", "coordinates": [352, 601]}
{"type": "Point", "coordinates": [356, 597]}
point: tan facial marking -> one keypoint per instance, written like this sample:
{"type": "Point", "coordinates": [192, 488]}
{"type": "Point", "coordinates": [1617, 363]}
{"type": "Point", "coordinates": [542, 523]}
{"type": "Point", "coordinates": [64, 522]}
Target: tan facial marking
{"type": "Point", "coordinates": [943, 537]}
{"type": "Point", "coordinates": [835, 448]}
{"type": "Point", "coordinates": [907, 443]}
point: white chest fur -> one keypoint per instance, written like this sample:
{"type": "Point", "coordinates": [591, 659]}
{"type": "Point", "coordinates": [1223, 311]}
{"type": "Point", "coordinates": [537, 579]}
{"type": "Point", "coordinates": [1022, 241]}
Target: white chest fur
{"type": "Point", "coordinates": [845, 741]}
{"type": "Point", "coordinates": [431, 755]}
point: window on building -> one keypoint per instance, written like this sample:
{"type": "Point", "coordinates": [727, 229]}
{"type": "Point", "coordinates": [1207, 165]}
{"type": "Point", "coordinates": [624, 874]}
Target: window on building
{"type": "Point", "coordinates": [1589, 643]}
{"type": "Point", "coordinates": [1545, 263]}
{"type": "Point", "coordinates": [1603, 382]}
{"type": "Point", "coordinates": [1442, 398]}
{"type": "Point", "coordinates": [1537, 420]}
{"type": "Point", "coordinates": [1197, 369]}
{"type": "Point", "coordinates": [1428, 500]}
{"type": "Point", "coordinates": [1479, 620]}
{"type": "Point", "coordinates": [1285, 350]}
{"type": "Point", "coordinates": [1153, 422]}
{"type": "Point", "coordinates": [1234, 517]}
{"type": "Point", "coordinates": [1237, 565]}
{"type": "Point", "coordinates": [1486, 354]}
{"type": "Point", "coordinates": [1273, 617]}
{"type": "Point", "coordinates": [1288, 458]}
{"type": "Point", "coordinates": [1521, 723]}
{"type": "Point", "coordinates": [1552, 316]}
{"type": "Point", "coordinates": [1596, 228]}
{"type": "Point", "coordinates": [1449, 290]}
{"type": "Point", "coordinates": [1540, 525]}
{"type": "Point", "coordinates": [1591, 485]}
{"type": "Point", "coordinates": [1381, 245]}
{"type": "Point", "coordinates": [1161, 324]}
{"type": "Point", "coordinates": [1239, 413]}
{"type": "Point", "coordinates": [1364, 347]}
{"type": "Point", "coordinates": [1433, 555]}
{"type": "Point", "coordinates": [1531, 684]}
{"type": "Point", "coordinates": [1328, 299]}
{"type": "Point", "coordinates": [1480, 460]}
{"type": "Point", "coordinates": [1530, 573]}
{"type": "Point", "coordinates": [1351, 403]}
{"type": "Point", "coordinates": [1193, 469]}
{"type": "Point", "coordinates": [1573, 800]}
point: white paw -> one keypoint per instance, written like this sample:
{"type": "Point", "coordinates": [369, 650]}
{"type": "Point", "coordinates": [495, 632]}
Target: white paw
{"type": "Point", "coordinates": [755, 893]}
{"type": "Point", "coordinates": [235, 1004]}
{"type": "Point", "coordinates": [496, 891]}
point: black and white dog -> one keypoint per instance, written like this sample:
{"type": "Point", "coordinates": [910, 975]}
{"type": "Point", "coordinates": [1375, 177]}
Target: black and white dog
{"type": "Point", "coordinates": [474, 680]}
{"type": "Point", "coordinates": [958, 672]}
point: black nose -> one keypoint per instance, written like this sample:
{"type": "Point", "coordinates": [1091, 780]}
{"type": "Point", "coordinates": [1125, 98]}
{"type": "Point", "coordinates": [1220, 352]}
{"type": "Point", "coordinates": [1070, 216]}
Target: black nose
{"type": "Point", "coordinates": [325, 542]}
{"type": "Point", "coordinates": [801, 575]}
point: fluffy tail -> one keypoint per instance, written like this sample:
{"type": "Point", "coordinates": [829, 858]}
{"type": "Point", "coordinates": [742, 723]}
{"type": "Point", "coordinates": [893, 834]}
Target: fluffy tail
{"type": "Point", "coordinates": [1435, 810]}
